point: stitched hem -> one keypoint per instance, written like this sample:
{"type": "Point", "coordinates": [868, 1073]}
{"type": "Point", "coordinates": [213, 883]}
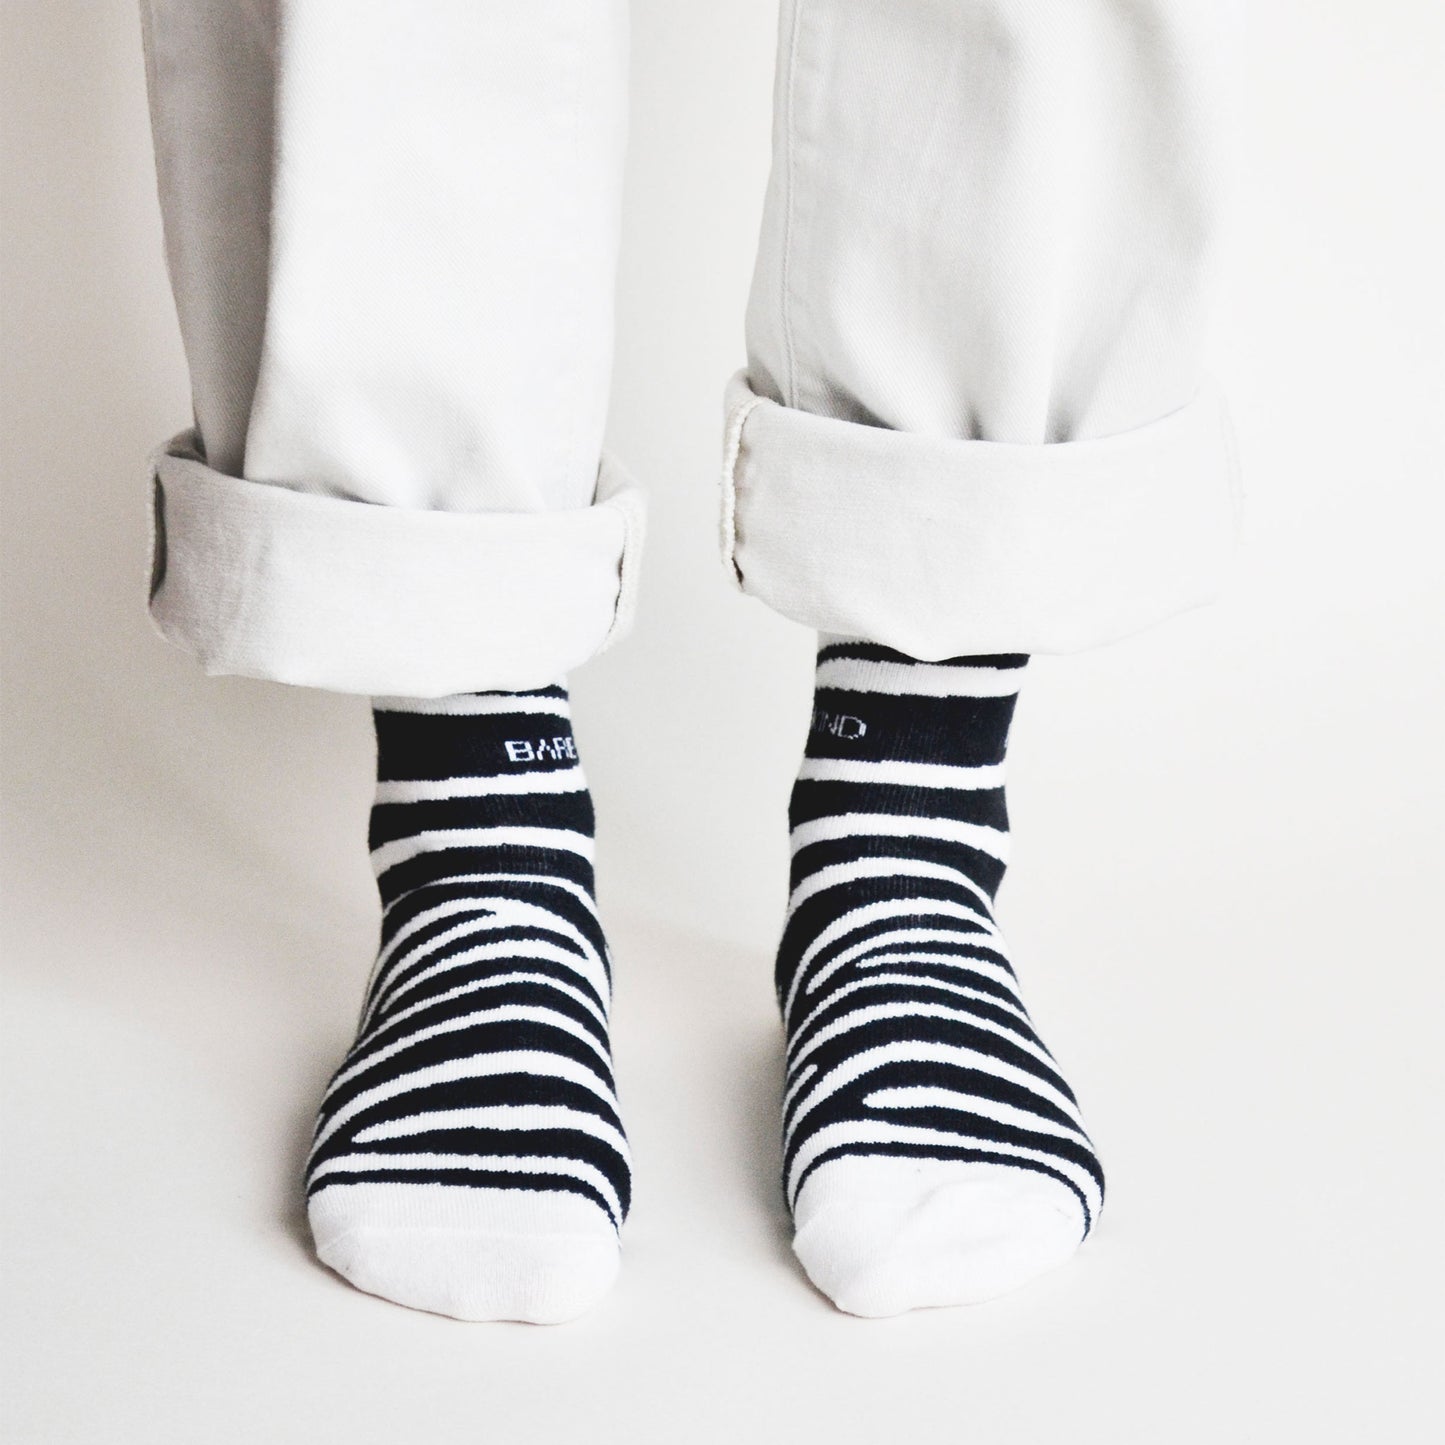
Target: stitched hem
{"type": "Point", "coordinates": [943, 548]}
{"type": "Point", "coordinates": [261, 581]}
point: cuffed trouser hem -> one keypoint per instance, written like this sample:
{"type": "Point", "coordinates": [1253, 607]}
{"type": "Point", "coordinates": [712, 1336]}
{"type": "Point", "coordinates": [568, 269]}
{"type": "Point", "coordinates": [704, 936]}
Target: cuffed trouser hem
{"type": "Point", "coordinates": [261, 581]}
{"type": "Point", "coordinates": [944, 548]}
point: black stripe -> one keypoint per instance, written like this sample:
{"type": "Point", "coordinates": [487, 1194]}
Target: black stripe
{"type": "Point", "coordinates": [571, 811]}
{"type": "Point", "coordinates": [425, 1012]}
{"type": "Point", "coordinates": [393, 987]}
{"type": "Point", "coordinates": [915, 993]}
{"type": "Point", "coordinates": [542, 891]}
{"type": "Point", "coordinates": [961, 732]}
{"type": "Point", "coordinates": [983, 868]}
{"type": "Point", "coordinates": [445, 864]}
{"type": "Point", "coordinates": [469, 1179]}
{"type": "Point", "coordinates": [813, 798]}
{"type": "Point", "coordinates": [417, 746]}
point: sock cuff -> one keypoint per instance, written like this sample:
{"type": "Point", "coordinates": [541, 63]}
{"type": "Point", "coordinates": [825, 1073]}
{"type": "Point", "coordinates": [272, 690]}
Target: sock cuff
{"type": "Point", "coordinates": [865, 667]}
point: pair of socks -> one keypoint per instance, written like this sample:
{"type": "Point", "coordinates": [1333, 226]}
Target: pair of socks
{"type": "Point", "coordinates": [470, 1157]}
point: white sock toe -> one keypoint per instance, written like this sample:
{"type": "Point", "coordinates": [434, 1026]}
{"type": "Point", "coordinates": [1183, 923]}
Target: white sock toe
{"type": "Point", "coordinates": [473, 1254]}
{"type": "Point", "coordinates": [883, 1235]}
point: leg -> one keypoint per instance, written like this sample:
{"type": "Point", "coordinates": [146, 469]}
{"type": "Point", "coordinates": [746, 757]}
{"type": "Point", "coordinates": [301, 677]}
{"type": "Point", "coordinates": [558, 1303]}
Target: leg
{"type": "Point", "coordinates": [973, 426]}
{"type": "Point", "coordinates": [392, 234]}
{"type": "Point", "coordinates": [391, 231]}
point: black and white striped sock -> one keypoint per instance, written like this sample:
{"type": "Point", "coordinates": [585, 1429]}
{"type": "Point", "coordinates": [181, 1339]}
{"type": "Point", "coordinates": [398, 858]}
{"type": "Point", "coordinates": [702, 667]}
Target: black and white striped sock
{"type": "Point", "coordinates": [469, 1157]}
{"type": "Point", "coordinates": [933, 1153]}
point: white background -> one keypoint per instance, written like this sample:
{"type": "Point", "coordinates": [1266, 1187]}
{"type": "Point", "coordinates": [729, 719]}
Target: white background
{"type": "Point", "coordinates": [1225, 898]}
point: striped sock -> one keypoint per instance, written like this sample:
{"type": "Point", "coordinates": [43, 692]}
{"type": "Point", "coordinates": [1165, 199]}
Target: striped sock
{"type": "Point", "coordinates": [469, 1158]}
{"type": "Point", "coordinates": [933, 1154]}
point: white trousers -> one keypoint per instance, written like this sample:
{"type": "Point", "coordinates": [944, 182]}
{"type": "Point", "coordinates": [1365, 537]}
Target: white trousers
{"type": "Point", "coordinates": [972, 419]}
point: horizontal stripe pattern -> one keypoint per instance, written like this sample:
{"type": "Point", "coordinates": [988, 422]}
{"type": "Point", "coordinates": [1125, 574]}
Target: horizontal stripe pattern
{"type": "Point", "coordinates": [483, 1058]}
{"type": "Point", "coordinates": [855, 671]}
{"type": "Point", "coordinates": [888, 773]}
{"type": "Point", "coordinates": [906, 1033]}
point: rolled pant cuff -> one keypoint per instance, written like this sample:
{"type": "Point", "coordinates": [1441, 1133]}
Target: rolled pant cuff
{"type": "Point", "coordinates": [258, 580]}
{"type": "Point", "coordinates": [943, 548]}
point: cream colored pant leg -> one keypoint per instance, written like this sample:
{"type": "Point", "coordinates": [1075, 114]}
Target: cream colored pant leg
{"type": "Point", "coordinates": [391, 227]}
{"type": "Point", "coordinates": [973, 418]}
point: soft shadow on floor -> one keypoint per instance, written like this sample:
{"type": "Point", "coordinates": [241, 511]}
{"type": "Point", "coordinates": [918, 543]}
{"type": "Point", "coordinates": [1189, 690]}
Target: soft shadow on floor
{"type": "Point", "coordinates": [763, 1103]}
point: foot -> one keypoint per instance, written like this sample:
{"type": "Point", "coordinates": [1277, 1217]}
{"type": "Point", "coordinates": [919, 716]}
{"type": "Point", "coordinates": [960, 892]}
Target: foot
{"type": "Point", "coordinates": [469, 1157]}
{"type": "Point", "coordinates": [933, 1153]}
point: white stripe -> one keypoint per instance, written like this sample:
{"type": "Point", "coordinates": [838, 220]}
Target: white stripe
{"type": "Point", "coordinates": [914, 1051]}
{"type": "Point", "coordinates": [492, 704]}
{"type": "Point", "coordinates": [886, 980]}
{"type": "Point", "coordinates": [385, 981]}
{"type": "Point", "coordinates": [992, 841]}
{"type": "Point", "coordinates": [838, 875]}
{"type": "Point", "coordinates": [926, 1097]}
{"type": "Point", "coordinates": [904, 775]}
{"type": "Point", "coordinates": [902, 908]}
{"type": "Point", "coordinates": [499, 981]}
{"type": "Point", "coordinates": [547, 880]}
{"type": "Point", "coordinates": [860, 1017]}
{"type": "Point", "coordinates": [439, 790]}
{"type": "Point", "coordinates": [511, 950]}
{"type": "Point", "coordinates": [536, 1062]}
{"type": "Point", "coordinates": [483, 916]}
{"type": "Point", "coordinates": [503, 1118]}
{"type": "Point", "coordinates": [918, 679]}
{"type": "Point", "coordinates": [867, 913]}
{"type": "Point", "coordinates": [919, 938]}
{"type": "Point", "coordinates": [964, 963]}
{"type": "Point", "coordinates": [475, 908]}
{"type": "Point", "coordinates": [367, 1059]}
{"type": "Point", "coordinates": [561, 840]}
{"type": "Point", "coordinates": [497, 1163]}
{"type": "Point", "coordinates": [860, 1132]}
{"type": "Point", "coordinates": [481, 912]}
{"type": "Point", "coordinates": [918, 981]}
